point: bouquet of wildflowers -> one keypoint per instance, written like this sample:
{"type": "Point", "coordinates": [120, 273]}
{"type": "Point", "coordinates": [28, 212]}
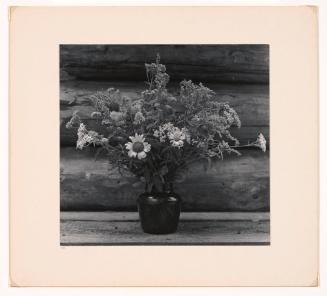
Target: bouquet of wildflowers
{"type": "Point", "coordinates": [158, 135]}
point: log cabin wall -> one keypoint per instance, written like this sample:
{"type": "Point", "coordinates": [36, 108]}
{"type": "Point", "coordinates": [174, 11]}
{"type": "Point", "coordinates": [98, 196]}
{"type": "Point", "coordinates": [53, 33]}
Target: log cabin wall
{"type": "Point", "coordinates": [239, 74]}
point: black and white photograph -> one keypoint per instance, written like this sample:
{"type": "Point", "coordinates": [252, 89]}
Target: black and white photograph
{"type": "Point", "coordinates": [164, 144]}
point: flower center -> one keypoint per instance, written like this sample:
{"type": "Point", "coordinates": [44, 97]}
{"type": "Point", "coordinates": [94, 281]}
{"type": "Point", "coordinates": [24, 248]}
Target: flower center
{"type": "Point", "coordinates": [138, 147]}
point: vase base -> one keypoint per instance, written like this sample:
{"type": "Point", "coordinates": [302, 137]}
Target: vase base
{"type": "Point", "coordinates": [159, 214]}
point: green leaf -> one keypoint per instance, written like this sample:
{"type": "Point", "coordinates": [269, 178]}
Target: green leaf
{"type": "Point", "coordinates": [149, 186]}
{"type": "Point", "coordinates": [165, 150]}
{"type": "Point", "coordinates": [164, 170]}
{"type": "Point", "coordinates": [150, 164]}
{"type": "Point", "coordinates": [155, 145]}
{"type": "Point", "coordinates": [178, 107]}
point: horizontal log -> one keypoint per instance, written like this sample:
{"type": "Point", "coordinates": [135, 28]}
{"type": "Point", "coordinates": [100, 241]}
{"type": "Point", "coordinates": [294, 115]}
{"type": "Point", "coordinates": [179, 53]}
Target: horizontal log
{"type": "Point", "coordinates": [235, 184]}
{"type": "Point", "coordinates": [123, 228]}
{"type": "Point", "coordinates": [250, 101]}
{"type": "Point", "coordinates": [227, 63]}
{"type": "Point", "coordinates": [120, 216]}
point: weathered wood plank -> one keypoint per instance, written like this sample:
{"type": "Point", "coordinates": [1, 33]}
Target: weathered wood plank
{"type": "Point", "coordinates": [250, 101]}
{"type": "Point", "coordinates": [191, 230]}
{"type": "Point", "coordinates": [185, 216]}
{"type": "Point", "coordinates": [238, 63]}
{"type": "Point", "coordinates": [235, 184]}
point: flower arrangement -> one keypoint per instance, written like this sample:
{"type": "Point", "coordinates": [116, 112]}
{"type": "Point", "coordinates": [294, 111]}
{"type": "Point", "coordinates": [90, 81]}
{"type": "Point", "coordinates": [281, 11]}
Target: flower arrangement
{"type": "Point", "coordinates": [158, 135]}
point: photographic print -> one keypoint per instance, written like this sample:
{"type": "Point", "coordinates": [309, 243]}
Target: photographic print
{"type": "Point", "coordinates": [164, 144]}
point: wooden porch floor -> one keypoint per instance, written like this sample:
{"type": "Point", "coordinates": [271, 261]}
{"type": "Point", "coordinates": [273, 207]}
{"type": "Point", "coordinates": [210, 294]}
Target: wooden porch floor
{"type": "Point", "coordinates": [204, 228]}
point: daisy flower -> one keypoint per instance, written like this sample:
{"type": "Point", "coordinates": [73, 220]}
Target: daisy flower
{"type": "Point", "coordinates": [177, 137]}
{"type": "Point", "coordinates": [138, 147]}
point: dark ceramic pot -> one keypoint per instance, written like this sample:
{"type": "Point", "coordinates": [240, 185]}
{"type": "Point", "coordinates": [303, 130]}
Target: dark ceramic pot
{"type": "Point", "coordinates": [159, 212]}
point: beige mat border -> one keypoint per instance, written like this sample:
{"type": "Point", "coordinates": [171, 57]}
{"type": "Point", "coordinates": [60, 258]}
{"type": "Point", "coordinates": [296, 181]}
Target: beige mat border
{"type": "Point", "coordinates": [36, 258]}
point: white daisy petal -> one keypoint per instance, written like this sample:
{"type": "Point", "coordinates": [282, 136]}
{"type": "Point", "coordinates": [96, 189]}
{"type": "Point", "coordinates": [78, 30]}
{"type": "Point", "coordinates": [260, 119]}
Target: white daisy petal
{"type": "Point", "coordinates": [138, 138]}
{"type": "Point", "coordinates": [141, 155]}
{"type": "Point", "coordinates": [129, 145]}
{"type": "Point", "coordinates": [132, 153]}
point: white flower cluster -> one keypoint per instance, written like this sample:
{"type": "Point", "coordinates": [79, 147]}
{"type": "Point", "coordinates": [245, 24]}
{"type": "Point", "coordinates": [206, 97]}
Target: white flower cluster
{"type": "Point", "coordinates": [163, 130]}
{"type": "Point", "coordinates": [86, 137]}
{"type": "Point", "coordinates": [261, 142]}
{"type": "Point", "coordinates": [173, 134]}
{"type": "Point", "coordinates": [149, 93]}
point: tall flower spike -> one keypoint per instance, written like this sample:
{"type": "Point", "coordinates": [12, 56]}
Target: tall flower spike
{"type": "Point", "coordinates": [261, 142]}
